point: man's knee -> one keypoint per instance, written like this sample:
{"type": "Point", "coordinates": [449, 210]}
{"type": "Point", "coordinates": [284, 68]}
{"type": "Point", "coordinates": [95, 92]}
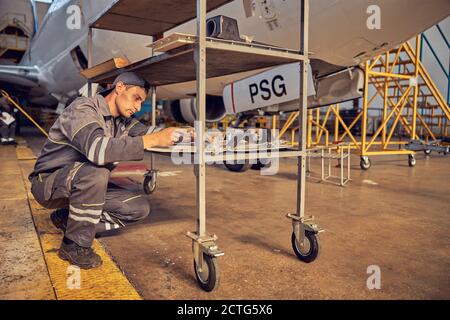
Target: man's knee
{"type": "Point", "coordinates": [139, 209]}
{"type": "Point", "coordinates": [92, 177]}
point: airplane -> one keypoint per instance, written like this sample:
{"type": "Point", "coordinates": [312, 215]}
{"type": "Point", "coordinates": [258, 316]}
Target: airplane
{"type": "Point", "coordinates": [339, 40]}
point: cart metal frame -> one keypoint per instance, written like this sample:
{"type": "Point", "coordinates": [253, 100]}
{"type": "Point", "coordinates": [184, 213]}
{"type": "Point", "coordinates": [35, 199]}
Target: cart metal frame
{"type": "Point", "coordinates": [205, 249]}
{"type": "Point", "coordinates": [341, 153]}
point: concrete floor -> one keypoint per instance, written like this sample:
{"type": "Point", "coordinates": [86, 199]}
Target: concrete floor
{"type": "Point", "coordinates": [391, 216]}
{"type": "Point", "coordinates": [23, 272]}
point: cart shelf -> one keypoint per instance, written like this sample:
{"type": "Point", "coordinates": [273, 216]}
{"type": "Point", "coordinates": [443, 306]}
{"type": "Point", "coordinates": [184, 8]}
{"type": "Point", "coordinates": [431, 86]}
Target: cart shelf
{"type": "Point", "coordinates": [138, 16]}
{"type": "Point", "coordinates": [178, 65]}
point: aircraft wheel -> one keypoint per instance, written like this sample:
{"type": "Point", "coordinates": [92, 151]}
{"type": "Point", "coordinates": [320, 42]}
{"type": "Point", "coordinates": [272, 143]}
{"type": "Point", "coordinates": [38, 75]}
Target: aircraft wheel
{"type": "Point", "coordinates": [258, 166]}
{"type": "Point", "coordinates": [237, 167]}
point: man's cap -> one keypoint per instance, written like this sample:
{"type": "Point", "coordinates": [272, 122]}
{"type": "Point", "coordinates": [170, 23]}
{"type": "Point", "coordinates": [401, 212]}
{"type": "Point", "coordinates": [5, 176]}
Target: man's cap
{"type": "Point", "coordinates": [129, 79]}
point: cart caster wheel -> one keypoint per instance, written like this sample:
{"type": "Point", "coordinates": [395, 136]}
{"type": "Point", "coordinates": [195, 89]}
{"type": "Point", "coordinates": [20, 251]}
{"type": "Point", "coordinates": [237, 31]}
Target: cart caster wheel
{"type": "Point", "coordinates": [208, 278]}
{"type": "Point", "coordinates": [237, 167]}
{"type": "Point", "coordinates": [149, 184]}
{"type": "Point", "coordinates": [310, 251]}
{"type": "Point", "coordinates": [258, 166]}
{"type": "Point", "coordinates": [365, 163]}
{"type": "Point", "coordinates": [427, 152]}
{"type": "Point", "coordinates": [411, 161]}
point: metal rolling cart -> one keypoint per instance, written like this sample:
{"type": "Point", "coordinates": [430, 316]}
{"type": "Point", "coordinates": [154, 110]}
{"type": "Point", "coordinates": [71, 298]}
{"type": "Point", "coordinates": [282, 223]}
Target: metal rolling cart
{"type": "Point", "coordinates": [201, 59]}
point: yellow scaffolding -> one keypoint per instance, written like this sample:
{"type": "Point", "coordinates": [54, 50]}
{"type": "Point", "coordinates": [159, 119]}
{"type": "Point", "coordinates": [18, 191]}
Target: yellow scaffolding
{"type": "Point", "coordinates": [412, 107]}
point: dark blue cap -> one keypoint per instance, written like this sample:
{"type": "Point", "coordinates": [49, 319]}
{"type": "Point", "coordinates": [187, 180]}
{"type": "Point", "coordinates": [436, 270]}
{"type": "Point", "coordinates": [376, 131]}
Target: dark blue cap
{"type": "Point", "coordinates": [129, 79]}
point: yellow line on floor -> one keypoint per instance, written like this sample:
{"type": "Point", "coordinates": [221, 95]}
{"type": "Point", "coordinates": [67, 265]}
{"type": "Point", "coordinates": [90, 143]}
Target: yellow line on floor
{"type": "Point", "coordinates": [104, 283]}
{"type": "Point", "coordinates": [24, 153]}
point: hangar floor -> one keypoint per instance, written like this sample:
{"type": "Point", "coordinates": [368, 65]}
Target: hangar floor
{"type": "Point", "coordinates": [391, 216]}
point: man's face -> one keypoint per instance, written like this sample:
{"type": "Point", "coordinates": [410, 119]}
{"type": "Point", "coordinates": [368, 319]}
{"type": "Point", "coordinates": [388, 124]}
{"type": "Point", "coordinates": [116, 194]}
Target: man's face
{"type": "Point", "coordinates": [129, 99]}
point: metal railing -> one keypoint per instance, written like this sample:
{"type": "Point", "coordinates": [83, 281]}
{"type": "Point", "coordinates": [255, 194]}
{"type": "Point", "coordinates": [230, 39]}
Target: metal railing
{"type": "Point", "coordinates": [15, 19]}
{"type": "Point", "coordinates": [436, 56]}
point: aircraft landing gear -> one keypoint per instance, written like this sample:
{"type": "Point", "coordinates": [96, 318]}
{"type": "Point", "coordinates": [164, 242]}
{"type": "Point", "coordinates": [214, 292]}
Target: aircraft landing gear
{"type": "Point", "coordinates": [237, 167]}
{"type": "Point", "coordinates": [258, 166]}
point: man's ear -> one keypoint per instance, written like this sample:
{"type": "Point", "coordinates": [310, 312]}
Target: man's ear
{"type": "Point", "coordinates": [120, 87]}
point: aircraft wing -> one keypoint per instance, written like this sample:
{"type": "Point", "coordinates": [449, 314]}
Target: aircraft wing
{"type": "Point", "coordinates": [19, 76]}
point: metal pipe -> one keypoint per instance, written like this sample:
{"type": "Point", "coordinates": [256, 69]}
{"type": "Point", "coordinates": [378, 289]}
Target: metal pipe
{"type": "Point", "coordinates": [89, 57]}
{"type": "Point", "coordinates": [416, 88]}
{"type": "Point", "coordinates": [200, 52]}
{"type": "Point", "coordinates": [35, 19]}
{"type": "Point", "coordinates": [365, 111]}
{"type": "Point", "coordinates": [303, 104]}
{"type": "Point", "coordinates": [152, 156]}
{"type": "Point", "coordinates": [386, 65]}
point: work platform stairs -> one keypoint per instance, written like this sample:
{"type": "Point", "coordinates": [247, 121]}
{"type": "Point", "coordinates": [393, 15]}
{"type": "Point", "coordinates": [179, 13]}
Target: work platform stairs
{"type": "Point", "coordinates": [14, 36]}
{"type": "Point", "coordinates": [432, 111]}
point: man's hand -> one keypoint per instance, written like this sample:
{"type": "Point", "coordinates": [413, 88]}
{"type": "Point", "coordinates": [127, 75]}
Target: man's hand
{"type": "Point", "coordinates": [166, 137]}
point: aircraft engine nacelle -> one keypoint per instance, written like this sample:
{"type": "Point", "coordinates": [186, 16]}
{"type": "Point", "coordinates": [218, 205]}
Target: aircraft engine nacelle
{"type": "Point", "coordinates": [184, 110]}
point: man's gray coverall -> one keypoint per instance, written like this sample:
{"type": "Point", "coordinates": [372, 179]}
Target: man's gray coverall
{"type": "Point", "coordinates": [73, 169]}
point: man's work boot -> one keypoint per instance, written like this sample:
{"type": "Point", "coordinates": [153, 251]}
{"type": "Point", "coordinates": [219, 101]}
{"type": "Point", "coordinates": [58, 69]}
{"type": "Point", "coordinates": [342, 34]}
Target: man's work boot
{"type": "Point", "coordinates": [83, 257]}
{"type": "Point", "coordinates": [59, 218]}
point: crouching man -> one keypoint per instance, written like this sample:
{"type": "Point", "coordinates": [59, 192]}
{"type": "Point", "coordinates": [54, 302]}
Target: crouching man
{"type": "Point", "coordinates": [72, 171]}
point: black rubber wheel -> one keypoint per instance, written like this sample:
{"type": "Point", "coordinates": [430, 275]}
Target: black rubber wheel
{"type": "Point", "coordinates": [427, 152]}
{"type": "Point", "coordinates": [149, 184]}
{"type": "Point", "coordinates": [258, 166]}
{"type": "Point", "coordinates": [208, 279]}
{"type": "Point", "coordinates": [311, 250]}
{"type": "Point", "coordinates": [411, 161]}
{"type": "Point", "coordinates": [237, 167]}
{"type": "Point", "coordinates": [365, 164]}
